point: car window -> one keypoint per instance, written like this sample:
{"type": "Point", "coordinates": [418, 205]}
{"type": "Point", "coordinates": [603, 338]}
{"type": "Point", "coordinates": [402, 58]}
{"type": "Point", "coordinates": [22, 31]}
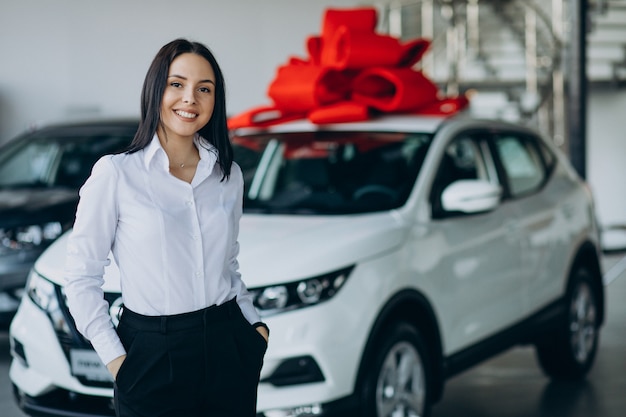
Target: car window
{"type": "Point", "coordinates": [466, 157]}
{"type": "Point", "coordinates": [63, 160]}
{"type": "Point", "coordinates": [329, 172]}
{"type": "Point", "coordinates": [522, 162]}
{"type": "Point", "coordinates": [30, 164]}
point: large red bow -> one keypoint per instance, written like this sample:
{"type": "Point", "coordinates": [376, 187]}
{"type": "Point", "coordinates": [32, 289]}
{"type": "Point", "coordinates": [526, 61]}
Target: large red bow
{"type": "Point", "coordinates": [351, 72]}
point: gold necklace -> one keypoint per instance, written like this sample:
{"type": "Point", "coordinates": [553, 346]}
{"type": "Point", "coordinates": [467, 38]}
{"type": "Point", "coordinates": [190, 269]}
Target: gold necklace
{"type": "Point", "coordinates": [182, 165]}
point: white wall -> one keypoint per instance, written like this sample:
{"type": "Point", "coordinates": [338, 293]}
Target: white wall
{"type": "Point", "coordinates": [70, 58]}
{"type": "Point", "coordinates": [606, 157]}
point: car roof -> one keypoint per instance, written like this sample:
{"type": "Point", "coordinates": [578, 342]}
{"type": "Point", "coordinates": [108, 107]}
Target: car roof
{"type": "Point", "coordinates": [386, 123]}
{"type": "Point", "coordinates": [77, 129]}
{"type": "Point", "coordinates": [86, 125]}
{"type": "Point", "coordinates": [409, 123]}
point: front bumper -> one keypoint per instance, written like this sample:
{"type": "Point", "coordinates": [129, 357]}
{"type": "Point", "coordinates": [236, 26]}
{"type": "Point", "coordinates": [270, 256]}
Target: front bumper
{"type": "Point", "coordinates": [63, 403]}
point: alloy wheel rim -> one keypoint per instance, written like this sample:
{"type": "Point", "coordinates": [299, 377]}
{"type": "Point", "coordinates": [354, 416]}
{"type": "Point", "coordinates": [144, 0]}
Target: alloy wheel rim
{"type": "Point", "coordinates": [582, 323]}
{"type": "Point", "coordinates": [401, 385]}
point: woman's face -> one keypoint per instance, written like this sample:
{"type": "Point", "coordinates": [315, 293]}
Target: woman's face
{"type": "Point", "coordinates": [189, 96]}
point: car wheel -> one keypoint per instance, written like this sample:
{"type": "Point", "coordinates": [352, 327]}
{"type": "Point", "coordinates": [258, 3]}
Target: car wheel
{"type": "Point", "coordinates": [397, 382]}
{"type": "Point", "coordinates": [568, 353]}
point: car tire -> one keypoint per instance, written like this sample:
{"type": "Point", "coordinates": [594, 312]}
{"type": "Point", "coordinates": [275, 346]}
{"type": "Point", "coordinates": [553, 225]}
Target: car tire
{"type": "Point", "coordinates": [398, 379]}
{"type": "Point", "coordinates": [568, 352]}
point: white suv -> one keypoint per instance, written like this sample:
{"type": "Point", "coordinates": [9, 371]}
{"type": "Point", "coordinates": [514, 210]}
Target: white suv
{"type": "Point", "coordinates": [385, 256]}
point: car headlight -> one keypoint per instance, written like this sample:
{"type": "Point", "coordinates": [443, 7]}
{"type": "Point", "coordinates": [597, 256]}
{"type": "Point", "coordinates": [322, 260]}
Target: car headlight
{"type": "Point", "coordinates": [46, 295]}
{"type": "Point", "coordinates": [40, 290]}
{"type": "Point", "coordinates": [298, 294]}
{"type": "Point", "coordinates": [29, 236]}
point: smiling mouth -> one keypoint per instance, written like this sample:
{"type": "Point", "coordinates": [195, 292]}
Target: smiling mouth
{"type": "Point", "coordinates": [185, 114]}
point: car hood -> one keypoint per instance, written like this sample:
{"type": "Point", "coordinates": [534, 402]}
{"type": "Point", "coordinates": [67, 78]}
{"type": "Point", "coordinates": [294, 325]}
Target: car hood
{"type": "Point", "coordinates": [25, 205]}
{"type": "Point", "coordinates": [286, 248]}
{"type": "Point", "coordinates": [276, 249]}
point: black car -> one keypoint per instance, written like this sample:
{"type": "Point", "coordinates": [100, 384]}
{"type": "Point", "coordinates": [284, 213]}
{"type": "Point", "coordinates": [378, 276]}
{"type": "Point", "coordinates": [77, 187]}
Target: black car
{"type": "Point", "coordinates": [40, 175]}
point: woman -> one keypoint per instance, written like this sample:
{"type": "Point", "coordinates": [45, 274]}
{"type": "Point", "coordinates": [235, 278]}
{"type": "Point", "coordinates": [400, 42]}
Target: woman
{"type": "Point", "coordinates": [189, 341]}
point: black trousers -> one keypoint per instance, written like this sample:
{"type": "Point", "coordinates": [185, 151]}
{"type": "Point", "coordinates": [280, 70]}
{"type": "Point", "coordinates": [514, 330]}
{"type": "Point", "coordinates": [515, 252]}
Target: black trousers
{"type": "Point", "coordinates": [200, 364]}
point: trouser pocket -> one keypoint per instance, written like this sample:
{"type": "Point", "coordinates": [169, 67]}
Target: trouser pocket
{"type": "Point", "coordinates": [145, 374]}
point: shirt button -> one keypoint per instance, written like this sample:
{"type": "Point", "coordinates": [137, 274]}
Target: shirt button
{"type": "Point", "coordinates": [197, 274]}
{"type": "Point", "coordinates": [189, 203]}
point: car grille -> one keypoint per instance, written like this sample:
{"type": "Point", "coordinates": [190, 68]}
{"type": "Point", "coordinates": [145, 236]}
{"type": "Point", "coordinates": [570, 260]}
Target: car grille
{"type": "Point", "coordinates": [74, 340]}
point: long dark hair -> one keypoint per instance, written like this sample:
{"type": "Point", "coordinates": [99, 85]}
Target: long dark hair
{"type": "Point", "coordinates": [215, 131]}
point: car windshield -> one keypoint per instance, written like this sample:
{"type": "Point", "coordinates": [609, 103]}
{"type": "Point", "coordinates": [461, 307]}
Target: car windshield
{"type": "Point", "coordinates": [329, 172]}
{"type": "Point", "coordinates": [62, 160]}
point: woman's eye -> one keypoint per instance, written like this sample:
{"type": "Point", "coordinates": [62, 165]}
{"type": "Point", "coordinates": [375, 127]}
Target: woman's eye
{"type": "Point", "coordinates": [176, 84]}
{"type": "Point", "coordinates": [204, 90]}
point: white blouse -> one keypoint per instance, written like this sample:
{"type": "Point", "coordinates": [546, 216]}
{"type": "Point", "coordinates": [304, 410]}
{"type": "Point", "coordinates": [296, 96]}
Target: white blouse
{"type": "Point", "coordinates": [175, 243]}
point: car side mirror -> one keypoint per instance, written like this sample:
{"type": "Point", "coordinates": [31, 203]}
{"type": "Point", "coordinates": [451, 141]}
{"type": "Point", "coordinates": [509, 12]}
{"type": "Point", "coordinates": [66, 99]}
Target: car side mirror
{"type": "Point", "coordinates": [471, 196]}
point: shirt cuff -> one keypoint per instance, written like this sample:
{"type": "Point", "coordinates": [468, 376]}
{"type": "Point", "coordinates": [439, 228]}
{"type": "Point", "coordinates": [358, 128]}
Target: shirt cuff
{"type": "Point", "coordinates": [108, 346]}
{"type": "Point", "coordinates": [248, 310]}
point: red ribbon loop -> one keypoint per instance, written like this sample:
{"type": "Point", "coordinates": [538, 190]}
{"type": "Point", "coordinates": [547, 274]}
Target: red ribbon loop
{"type": "Point", "coordinates": [350, 71]}
{"type": "Point", "coordinates": [300, 88]}
{"type": "Point", "coordinates": [393, 89]}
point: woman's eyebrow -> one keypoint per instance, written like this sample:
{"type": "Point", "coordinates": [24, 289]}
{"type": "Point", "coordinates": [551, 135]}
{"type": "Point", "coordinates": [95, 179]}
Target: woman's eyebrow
{"type": "Point", "coordinates": [185, 78]}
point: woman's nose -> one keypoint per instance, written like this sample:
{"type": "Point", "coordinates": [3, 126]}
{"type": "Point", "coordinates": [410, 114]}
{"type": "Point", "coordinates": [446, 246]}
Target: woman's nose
{"type": "Point", "coordinates": [189, 96]}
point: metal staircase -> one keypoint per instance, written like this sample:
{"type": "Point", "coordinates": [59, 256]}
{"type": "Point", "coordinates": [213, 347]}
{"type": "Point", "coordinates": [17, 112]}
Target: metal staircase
{"type": "Point", "coordinates": [508, 54]}
{"type": "Point", "coordinates": [606, 61]}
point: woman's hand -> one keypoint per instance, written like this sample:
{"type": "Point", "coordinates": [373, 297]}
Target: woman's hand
{"type": "Point", "coordinates": [263, 332]}
{"type": "Point", "coordinates": [115, 364]}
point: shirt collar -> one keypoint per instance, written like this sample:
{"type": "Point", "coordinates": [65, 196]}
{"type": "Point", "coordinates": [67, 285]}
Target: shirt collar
{"type": "Point", "coordinates": [208, 153]}
{"type": "Point", "coordinates": [151, 150]}
{"type": "Point", "coordinates": [208, 159]}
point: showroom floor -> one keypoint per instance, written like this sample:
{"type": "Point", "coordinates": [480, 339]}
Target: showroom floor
{"type": "Point", "coordinates": [510, 385]}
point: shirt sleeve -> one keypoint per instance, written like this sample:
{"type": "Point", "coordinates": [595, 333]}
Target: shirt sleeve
{"type": "Point", "coordinates": [244, 298]}
{"type": "Point", "coordinates": [88, 250]}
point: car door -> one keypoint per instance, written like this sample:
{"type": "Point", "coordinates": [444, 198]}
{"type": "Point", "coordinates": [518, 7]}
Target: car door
{"type": "Point", "coordinates": [526, 166]}
{"type": "Point", "coordinates": [478, 266]}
